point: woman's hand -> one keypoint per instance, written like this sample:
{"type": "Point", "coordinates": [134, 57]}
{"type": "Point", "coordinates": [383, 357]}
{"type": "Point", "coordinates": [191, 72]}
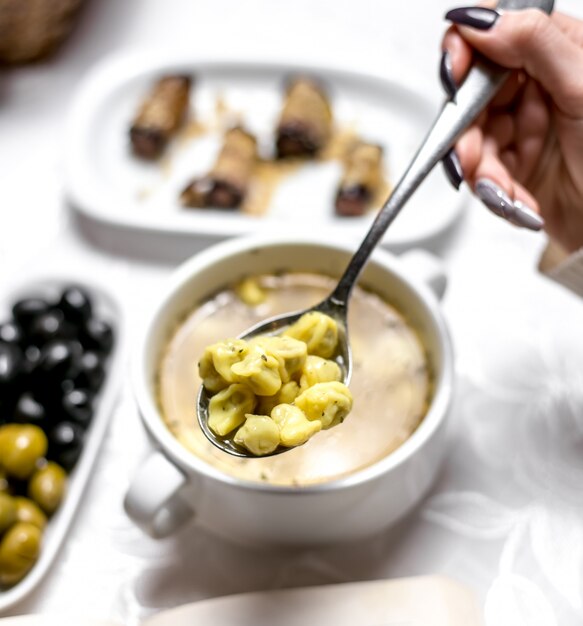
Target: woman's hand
{"type": "Point", "coordinates": [524, 156]}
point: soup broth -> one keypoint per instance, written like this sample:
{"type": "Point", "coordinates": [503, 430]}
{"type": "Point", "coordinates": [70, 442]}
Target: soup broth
{"type": "Point", "coordinates": [390, 382]}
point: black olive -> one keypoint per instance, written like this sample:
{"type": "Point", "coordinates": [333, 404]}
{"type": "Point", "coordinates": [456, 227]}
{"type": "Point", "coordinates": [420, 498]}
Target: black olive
{"type": "Point", "coordinates": [92, 371]}
{"type": "Point", "coordinates": [29, 410]}
{"type": "Point", "coordinates": [31, 358]}
{"type": "Point", "coordinates": [11, 366]}
{"type": "Point", "coordinates": [7, 401]}
{"type": "Point", "coordinates": [68, 458]}
{"type": "Point", "coordinates": [67, 385]}
{"type": "Point", "coordinates": [27, 309]}
{"type": "Point", "coordinates": [75, 304]}
{"type": "Point", "coordinates": [78, 406]}
{"type": "Point", "coordinates": [97, 335]}
{"type": "Point", "coordinates": [65, 444]}
{"type": "Point", "coordinates": [63, 436]}
{"type": "Point", "coordinates": [12, 379]}
{"type": "Point", "coordinates": [50, 326]}
{"type": "Point", "coordinates": [10, 332]}
{"type": "Point", "coordinates": [58, 360]}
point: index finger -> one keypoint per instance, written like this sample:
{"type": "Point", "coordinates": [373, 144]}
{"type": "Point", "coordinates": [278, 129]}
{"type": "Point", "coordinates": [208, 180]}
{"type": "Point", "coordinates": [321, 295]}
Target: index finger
{"type": "Point", "coordinates": [461, 56]}
{"type": "Point", "coordinates": [460, 52]}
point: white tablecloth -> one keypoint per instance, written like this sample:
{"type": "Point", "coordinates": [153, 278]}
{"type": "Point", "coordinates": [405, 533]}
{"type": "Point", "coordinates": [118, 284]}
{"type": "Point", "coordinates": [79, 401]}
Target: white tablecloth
{"type": "Point", "coordinates": [506, 513]}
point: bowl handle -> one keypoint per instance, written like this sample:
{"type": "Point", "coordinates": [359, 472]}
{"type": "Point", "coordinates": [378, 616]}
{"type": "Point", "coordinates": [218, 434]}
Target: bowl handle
{"type": "Point", "coordinates": [427, 268]}
{"type": "Point", "coordinates": [153, 501]}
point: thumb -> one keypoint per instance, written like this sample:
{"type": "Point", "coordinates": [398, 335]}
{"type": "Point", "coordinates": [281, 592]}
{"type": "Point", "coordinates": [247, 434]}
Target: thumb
{"type": "Point", "coordinates": [532, 41]}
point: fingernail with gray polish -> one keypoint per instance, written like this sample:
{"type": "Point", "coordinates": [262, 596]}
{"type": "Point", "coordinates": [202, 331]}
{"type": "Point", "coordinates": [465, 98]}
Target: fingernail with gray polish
{"type": "Point", "coordinates": [446, 75]}
{"type": "Point", "coordinates": [498, 201]}
{"type": "Point", "coordinates": [476, 17]}
{"type": "Point", "coordinates": [453, 168]}
{"type": "Point", "coordinates": [495, 198]}
{"type": "Point", "coordinates": [525, 217]}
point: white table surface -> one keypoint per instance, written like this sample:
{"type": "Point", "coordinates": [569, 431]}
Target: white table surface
{"type": "Point", "coordinates": [506, 513]}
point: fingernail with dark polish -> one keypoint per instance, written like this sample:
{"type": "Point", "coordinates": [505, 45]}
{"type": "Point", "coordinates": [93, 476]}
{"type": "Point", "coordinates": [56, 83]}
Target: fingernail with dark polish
{"type": "Point", "coordinates": [522, 215]}
{"type": "Point", "coordinates": [446, 75]}
{"type": "Point", "coordinates": [453, 168]}
{"type": "Point", "coordinates": [476, 17]}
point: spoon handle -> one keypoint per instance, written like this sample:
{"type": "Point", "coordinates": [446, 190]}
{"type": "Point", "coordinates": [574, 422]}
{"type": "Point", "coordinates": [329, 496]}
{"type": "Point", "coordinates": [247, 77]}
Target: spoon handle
{"type": "Point", "coordinates": [480, 86]}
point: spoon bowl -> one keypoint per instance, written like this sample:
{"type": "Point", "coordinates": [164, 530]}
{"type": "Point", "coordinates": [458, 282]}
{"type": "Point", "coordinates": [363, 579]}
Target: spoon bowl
{"type": "Point", "coordinates": [275, 326]}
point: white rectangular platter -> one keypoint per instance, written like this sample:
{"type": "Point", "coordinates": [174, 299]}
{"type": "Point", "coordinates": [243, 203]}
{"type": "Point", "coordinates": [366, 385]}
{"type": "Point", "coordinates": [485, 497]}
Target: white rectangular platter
{"type": "Point", "coordinates": [107, 184]}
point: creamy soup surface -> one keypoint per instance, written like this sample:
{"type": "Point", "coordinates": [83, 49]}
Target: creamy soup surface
{"type": "Point", "coordinates": [390, 382]}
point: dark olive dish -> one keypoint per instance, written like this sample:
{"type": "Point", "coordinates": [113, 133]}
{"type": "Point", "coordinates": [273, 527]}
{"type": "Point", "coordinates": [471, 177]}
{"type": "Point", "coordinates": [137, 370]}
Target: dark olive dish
{"type": "Point", "coordinates": [54, 356]}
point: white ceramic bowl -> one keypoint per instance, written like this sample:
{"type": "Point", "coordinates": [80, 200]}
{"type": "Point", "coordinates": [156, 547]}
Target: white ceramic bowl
{"type": "Point", "coordinates": [173, 484]}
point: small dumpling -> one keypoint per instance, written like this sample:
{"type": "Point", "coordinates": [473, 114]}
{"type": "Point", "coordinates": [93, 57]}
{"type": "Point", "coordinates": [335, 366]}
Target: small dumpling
{"type": "Point", "coordinates": [259, 434]}
{"type": "Point", "coordinates": [318, 370]}
{"type": "Point", "coordinates": [259, 370]}
{"type": "Point", "coordinates": [286, 395]}
{"type": "Point", "coordinates": [294, 427]}
{"type": "Point", "coordinates": [211, 379]}
{"type": "Point", "coordinates": [250, 292]}
{"type": "Point", "coordinates": [225, 354]}
{"type": "Point", "coordinates": [329, 403]}
{"type": "Point", "coordinates": [228, 407]}
{"type": "Point", "coordinates": [290, 352]}
{"type": "Point", "coordinates": [318, 331]}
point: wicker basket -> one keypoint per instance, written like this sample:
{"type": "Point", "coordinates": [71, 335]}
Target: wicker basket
{"type": "Point", "coordinates": [32, 29]}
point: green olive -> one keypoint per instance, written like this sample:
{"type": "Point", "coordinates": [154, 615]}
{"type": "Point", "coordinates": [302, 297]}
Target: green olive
{"type": "Point", "coordinates": [19, 550]}
{"type": "Point", "coordinates": [21, 447]}
{"type": "Point", "coordinates": [27, 511]}
{"type": "Point", "coordinates": [7, 433]}
{"type": "Point", "coordinates": [47, 487]}
{"type": "Point", "coordinates": [7, 512]}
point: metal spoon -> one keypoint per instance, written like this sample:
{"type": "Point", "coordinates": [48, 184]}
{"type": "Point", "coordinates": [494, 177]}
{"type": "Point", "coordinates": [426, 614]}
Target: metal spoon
{"type": "Point", "coordinates": [481, 84]}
